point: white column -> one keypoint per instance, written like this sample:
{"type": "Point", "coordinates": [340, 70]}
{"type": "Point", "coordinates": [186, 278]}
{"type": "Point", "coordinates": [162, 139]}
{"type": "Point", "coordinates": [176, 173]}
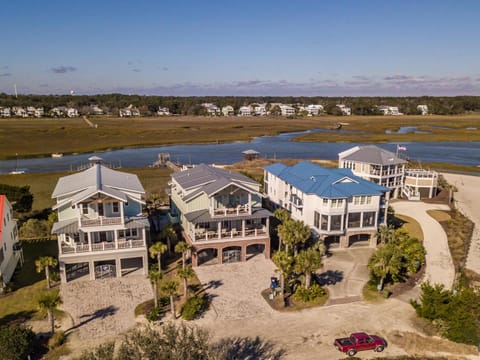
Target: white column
{"type": "Point", "coordinates": [91, 269]}
{"type": "Point", "coordinates": [243, 228]}
{"type": "Point", "coordinates": [115, 237]}
{"type": "Point", "coordinates": [118, 267]}
{"type": "Point", "coordinates": [89, 236]}
{"type": "Point", "coordinates": [219, 230]}
{"type": "Point", "coordinates": [249, 203]}
{"type": "Point", "coordinates": [122, 212]}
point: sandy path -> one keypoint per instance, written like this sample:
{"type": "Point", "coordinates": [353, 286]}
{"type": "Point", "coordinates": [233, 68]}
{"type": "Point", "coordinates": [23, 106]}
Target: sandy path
{"type": "Point", "coordinates": [467, 200]}
{"type": "Point", "coordinates": [439, 269]}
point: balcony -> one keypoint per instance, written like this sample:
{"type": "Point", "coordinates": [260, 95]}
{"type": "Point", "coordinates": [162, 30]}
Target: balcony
{"type": "Point", "coordinates": [232, 211]}
{"type": "Point", "coordinates": [102, 246]}
{"type": "Point", "coordinates": [202, 235]}
{"type": "Point", "coordinates": [101, 221]}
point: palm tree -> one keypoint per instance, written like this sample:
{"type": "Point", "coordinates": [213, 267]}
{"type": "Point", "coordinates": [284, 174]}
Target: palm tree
{"type": "Point", "coordinates": [44, 263]}
{"type": "Point", "coordinates": [285, 232]}
{"type": "Point", "coordinates": [185, 274]}
{"type": "Point", "coordinates": [387, 260]}
{"type": "Point", "coordinates": [307, 262]}
{"type": "Point", "coordinates": [383, 233]}
{"type": "Point", "coordinates": [281, 215]}
{"type": "Point", "coordinates": [169, 234]}
{"type": "Point", "coordinates": [48, 302]}
{"type": "Point", "coordinates": [284, 263]}
{"type": "Point", "coordinates": [301, 233]}
{"type": "Point", "coordinates": [154, 276]}
{"type": "Point", "coordinates": [413, 254]}
{"type": "Point", "coordinates": [183, 247]}
{"type": "Point", "coordinates": [171, 288]}
{"type": "Point", "coordinates": [156, 250]}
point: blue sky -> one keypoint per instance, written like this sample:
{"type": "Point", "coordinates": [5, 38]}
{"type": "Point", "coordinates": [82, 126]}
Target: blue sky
{"type": "Point", "coordinates": [243, 47]}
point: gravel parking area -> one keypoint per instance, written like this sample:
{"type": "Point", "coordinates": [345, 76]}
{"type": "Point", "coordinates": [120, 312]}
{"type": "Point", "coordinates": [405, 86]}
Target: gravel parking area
{"type": "Point", "coordinates": [104, 308]}
{"type": "Point", "coordinates": [235, 288]}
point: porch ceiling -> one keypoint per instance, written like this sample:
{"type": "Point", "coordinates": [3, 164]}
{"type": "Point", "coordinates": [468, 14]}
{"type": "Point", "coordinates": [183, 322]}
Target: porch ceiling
{"type": "Point", "coordinates": [202, 216]}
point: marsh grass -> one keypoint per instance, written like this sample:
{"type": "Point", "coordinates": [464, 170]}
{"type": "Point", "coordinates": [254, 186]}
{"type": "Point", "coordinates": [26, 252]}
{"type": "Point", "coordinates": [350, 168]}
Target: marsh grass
{"type": "Point", "coordinates": [42, 137]}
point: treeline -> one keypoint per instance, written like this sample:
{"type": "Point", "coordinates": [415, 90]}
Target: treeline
{"type": "Point", "coordinates": [191, 105]}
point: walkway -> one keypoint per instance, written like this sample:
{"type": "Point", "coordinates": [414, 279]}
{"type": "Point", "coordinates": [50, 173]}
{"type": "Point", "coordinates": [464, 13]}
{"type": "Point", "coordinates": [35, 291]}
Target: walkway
{"type": "Point", "coordinates": [439, 264]}
{"type": "Point", "coordinates": [467, 200]}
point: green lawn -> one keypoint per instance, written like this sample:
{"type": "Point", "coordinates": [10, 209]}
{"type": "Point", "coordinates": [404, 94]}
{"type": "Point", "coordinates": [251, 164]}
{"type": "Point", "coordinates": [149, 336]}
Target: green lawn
{"type": "Point", "coordinates": [21, 304]}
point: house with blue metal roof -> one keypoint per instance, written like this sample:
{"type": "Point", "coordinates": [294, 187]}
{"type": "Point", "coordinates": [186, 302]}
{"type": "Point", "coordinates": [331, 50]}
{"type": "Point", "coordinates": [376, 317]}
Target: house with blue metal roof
{"type": "Point", "coordinates": [339, 206]}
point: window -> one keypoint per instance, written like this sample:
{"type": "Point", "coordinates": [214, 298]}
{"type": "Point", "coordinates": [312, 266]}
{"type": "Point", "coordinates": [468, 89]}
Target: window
{"type": "Point", "coordinates": [325, 202]}
{"type": "Point", "coordinates": [354, 220]}
{"type": "Point", "coordinates": [100, 209]}
{"type": "Point", "coordinates": [316, 219]}
{"type": "Point", "coordinates": [369, 218]}
{"type": "Point", "coordinates": [324, 223]}
{"type": "Point", "coordinates": [337, 203]}
{"type": "Point", "coordinates": [85, 209]}
{"type": "Point", "coordinates": [115, 207]}
{"type": "Point", "coordinates": [362, 200]}
{"type": "Point", "coordinates": [335, 222]}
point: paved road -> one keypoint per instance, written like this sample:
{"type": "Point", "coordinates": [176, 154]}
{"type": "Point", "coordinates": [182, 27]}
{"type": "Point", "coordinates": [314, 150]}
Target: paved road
{"type": "Point", "coordinates": [467, 200]}
{"type": "Point", "coordinates": [439, 269]}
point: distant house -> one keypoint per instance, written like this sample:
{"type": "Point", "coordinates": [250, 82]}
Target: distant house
{"type": "Point", "coordinates": [5, 112]}
{"type": "Point", "coordinates": [19, 111]}
{"type": "Point", "coordinates": [212, 109]}
{"type": "Point", "coordinates": [344, 109]}
{"type": "Point", "coordinates": [221, 214]}
{"type": "Point", "coordinates": [313, 109]}
{"type": "Point", "coordinates": [389, 110]}
{"type": "Point", "coordinates": [287, 110]}
{"type": "Point", "coordinates": [375, 164]}
{"type": "Point", "coordinates": [96, 110]}
{"type": "Point", "coordinates": [340, 207]}
{"type": "Point", "coordinates": [10, 248]}
{"type": "Point", "coordinates": [423, 109]}
{"type": "Point", "coordinates": [228, 110]}
{"type": "Point", "coordinates": [129, 111]}
{"type": "Point", "coordinates": [259, 109]}
{"type": "Point", "coordinates": [101, 230]}
{"type": "Point", "coordinates": [72, 112]}
{"type": "Point", "coordinates": [35, 112]}
{"type": "Point", "coordinates": [163, 111]}
{"type": "Point", "coordinates": [245, 111]}
{"type": "Point", "coordinates": [59, 111]}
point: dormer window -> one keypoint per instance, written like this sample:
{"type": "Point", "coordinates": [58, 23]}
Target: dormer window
{"type": "Point", "coordinates": [115, 207]}
{"type": "Point", "coordinates": [85, 209]}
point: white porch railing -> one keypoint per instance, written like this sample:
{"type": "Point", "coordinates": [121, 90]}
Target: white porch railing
{"type": "Point", "coordinates": [101, 221]}
{"type": "Point", "coordinates": [229, 211]}
{"type": "Point", "coordinates": [199, 236]}
{"type": "Point", "coordinates": [103, 246]}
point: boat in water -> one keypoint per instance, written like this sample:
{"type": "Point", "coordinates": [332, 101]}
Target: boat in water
{"type": "Point", "coordinates": [57, 155]}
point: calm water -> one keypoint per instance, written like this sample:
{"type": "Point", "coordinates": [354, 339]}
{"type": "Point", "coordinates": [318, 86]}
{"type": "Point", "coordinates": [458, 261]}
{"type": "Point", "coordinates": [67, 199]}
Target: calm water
{"type": "Point", "coordinates": [464, 153]}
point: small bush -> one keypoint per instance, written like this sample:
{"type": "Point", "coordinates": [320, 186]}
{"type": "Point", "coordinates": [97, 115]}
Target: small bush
{"type": "Point", "coordinates": [56, 340]}
{"type": "Point", "coordinates": [54, 276]}
{"type": "Point", "coordinates": [153, 314]}
{"type": "Point", "coordinates": [193, 307]}
{"type": "Point", "coordinates": [314, 293]}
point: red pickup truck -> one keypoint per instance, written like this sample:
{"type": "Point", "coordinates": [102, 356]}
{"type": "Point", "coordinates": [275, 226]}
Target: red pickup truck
{"type": "Point", "coordinates": [358, 342]}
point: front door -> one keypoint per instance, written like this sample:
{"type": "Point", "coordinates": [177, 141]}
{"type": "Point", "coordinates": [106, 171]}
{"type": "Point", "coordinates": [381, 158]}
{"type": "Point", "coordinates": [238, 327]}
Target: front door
{"type": "Point", "coordinates": [100, 209]}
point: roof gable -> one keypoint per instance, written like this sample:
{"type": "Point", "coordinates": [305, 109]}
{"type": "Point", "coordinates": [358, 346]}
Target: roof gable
{"type": "Point", "coordinates": [371, 154]}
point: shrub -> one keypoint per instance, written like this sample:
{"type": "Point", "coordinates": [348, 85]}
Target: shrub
{"type": "Point", "coordinates": [314, 293]}
{"type": "Point", "coordinates": [153, 314]}
{"type": "Point", "coordinates": [54, 276]}
{"type": "Point", "coordinates": [193, 307]}
{"type": "Point", "coordinates": [16, 342]}
{"type": "Point", "coordinates": [56, 340]}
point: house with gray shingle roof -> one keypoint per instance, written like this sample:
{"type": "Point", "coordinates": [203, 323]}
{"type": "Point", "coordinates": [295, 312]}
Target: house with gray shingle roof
{"type": "Point", "coordinates": [101, 231]}
{"type": "Point", "coordinates": [341, 208]}
{"type": "Point", "coordinates": [375, 164]}
{"type": "Point", "coordinates": [221, 214]}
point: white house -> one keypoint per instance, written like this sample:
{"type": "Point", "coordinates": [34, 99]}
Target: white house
{"type": "Point", "coordinates": [419, 184]}
{"type": "Point", "coordinates": [35, 112]}
{"type": "Point", "coordinates": [72, 112]}
{"type": "Point", "coordinates": [260, 109]}
{"type": "Point", "coordinates": [340, 207]}
{"type": "Point", "coordinates": [375, 164]}
{"type": "Point", "coordinates": [287, 110]}
{"type": "Point", "coordinates": [5, 112]}
{"type": "Point", "coordinates": [221, 214]}
{"type": "Point", "coordinates": [129, 111]}
{"type": "Point", "coordinates": [163, 111]}
{"type": "Point", "coordinates": [313, 109]}
{"type": "Point", "coordinates": [10, 248]}
{"type": "Point", "coordinates": [423, 109]}
{"type": "Point", "coordinates": [245, 111]}
{"type": "Point", "coordinates": [212, 109]}
{"type": "Point", "coordinates": [101, 230]}
{"type": "Point", "coordinates": [347, 111]}
{"type": "Point", "coordinates": [389, 110]}
{"type": "Point", "coordinates": [96, 110]}
{"type": "Point", "coordinates": [19, 111]}
{"type": "Point", "coordinates": [228, 110]}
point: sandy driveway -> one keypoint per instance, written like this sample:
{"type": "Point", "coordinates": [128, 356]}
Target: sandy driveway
{"type": "Point", "coordinates": [439, 269]}
{"type": "Point", "coordinates": [467, 200]}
